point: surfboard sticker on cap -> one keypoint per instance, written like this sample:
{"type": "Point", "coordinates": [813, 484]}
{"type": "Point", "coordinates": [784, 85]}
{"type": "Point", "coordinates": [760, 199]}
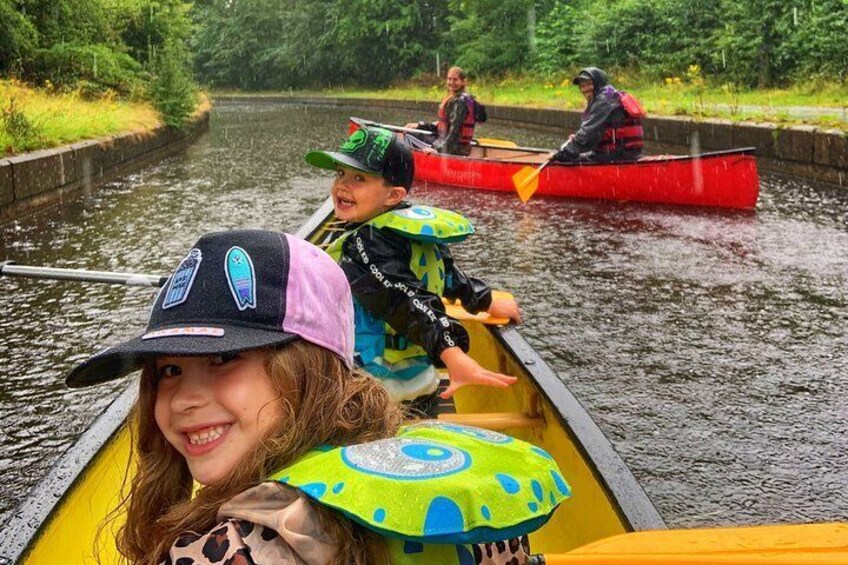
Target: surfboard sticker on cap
{"type": "Point", "coordinates": [241, 277]}
{"type": "Point", "coordinates": [182, 279]}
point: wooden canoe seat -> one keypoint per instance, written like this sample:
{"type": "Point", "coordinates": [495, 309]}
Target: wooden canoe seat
{"type": "Point", "coordinates": [445, 411]}
{"type": "Point", "coordinates": [495, 421]}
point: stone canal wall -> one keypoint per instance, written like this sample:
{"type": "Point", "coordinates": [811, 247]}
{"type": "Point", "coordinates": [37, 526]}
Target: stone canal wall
{"type": "Point", "coordinates": [805, 151]}
{"type": "Point", "coordinates": [35, 180]}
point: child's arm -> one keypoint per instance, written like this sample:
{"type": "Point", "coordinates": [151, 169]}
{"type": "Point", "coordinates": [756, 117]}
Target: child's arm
{"type": "Point", "coordinates": [476, 296]}
{"type": "Point", "coordinates": [505, 307]}
{"type": "Point", "coordinates": [464, 371]}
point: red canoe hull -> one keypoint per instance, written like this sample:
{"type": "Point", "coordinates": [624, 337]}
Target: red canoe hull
{"type": "Point", "coordinates": [726, 179]}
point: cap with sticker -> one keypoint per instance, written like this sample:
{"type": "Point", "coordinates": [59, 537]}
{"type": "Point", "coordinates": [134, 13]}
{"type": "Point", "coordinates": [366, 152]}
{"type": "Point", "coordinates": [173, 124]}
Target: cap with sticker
{"type": "Point", "coordinates": [236, 291]}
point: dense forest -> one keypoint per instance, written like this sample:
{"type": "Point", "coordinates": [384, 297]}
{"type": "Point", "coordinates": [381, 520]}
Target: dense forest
{"type": "Point", "coordinates": [151, 47]}
{"type": "Point", "coordinates": [257, 44]}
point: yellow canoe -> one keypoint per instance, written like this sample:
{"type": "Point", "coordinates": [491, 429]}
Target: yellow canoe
{"type": "Point", "coordinates": [608, 520]}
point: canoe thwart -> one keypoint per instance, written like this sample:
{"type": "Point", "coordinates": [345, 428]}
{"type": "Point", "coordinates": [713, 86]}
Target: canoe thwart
{"type": "Point", "coordinates": [495, 421]}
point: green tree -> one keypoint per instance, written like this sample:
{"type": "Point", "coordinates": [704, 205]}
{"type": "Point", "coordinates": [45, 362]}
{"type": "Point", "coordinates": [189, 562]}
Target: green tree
{"type": "Point", "coordinates": [173, 91]}
{"type": "Point", "coordinates": [657, 38]}
{"type": "Point", "coordinates": [18, 37]}
{"type": "Point", "coordinates": [94, 67]}
{"type": "Point", "coordinates": [558, 37]}
{"type": "Point", "coordinates": [751, 40]}
{"type": "Point", "coordinates": [381, 40]}
{"type": "Point", "coordinates": [819, 45]}
{"type": "Point", "coordinates": [68, 21]}
{"type": "Point", "coordinates": [300, 43]}
{"type": "Point", "coordinates": [491, 36]}
{"type": "Point", "coordinates": [144, 26]}
{"type": "Point", "coordinates": [313, 43]}
{"type": "Point", "coordinates": [231, 36]}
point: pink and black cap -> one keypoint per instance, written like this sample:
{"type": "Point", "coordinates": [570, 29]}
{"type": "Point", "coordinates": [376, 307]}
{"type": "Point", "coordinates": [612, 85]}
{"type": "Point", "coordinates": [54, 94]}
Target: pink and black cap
{"type": "Point", "coordinates": [236, 291]}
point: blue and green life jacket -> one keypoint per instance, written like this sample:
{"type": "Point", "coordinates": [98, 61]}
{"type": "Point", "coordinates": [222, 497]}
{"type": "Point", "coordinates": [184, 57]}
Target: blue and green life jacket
{"type": "Point", "coordinates": [377, 345]}
{"type": "Point", "coordinates": [435, 488]}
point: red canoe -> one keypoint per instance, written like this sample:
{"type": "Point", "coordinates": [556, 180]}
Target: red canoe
{"type": "Point", "coordinates": [726, 179]}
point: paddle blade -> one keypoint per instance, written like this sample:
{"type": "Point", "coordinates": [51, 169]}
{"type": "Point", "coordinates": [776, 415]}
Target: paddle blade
{"type": "Point", "coordinates": [804, 544]}
{"type": "Point", "coordinates": [526, 181]}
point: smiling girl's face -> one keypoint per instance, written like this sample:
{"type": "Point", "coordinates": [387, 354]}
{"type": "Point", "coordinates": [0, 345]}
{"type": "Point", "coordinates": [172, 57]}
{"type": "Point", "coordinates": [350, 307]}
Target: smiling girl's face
{"type": "Point", "coordinates": [454, 81]}
{"type": "Point", "coordinates": [215, 409]}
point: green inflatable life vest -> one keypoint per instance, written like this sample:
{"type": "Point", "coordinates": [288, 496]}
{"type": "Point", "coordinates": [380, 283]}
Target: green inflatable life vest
{"type": "Point", "coordinates": [426, 227]}
{"type": "Point", "coordinates": [435, 488]}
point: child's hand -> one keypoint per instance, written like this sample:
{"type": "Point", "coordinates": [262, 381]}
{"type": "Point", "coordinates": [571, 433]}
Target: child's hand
{"type": "Point", "coordinates": [505, 308]}
{"type": "Point", "coordinates": [464, 371]}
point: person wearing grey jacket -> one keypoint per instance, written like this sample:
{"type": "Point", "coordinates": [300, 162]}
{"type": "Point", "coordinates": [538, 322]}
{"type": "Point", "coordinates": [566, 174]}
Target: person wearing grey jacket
{"type": "Point", "coordinates": [608, 132]}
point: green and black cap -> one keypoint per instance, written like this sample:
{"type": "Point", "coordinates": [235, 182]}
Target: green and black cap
{"type": "Point", "coordinates": [371, 150]}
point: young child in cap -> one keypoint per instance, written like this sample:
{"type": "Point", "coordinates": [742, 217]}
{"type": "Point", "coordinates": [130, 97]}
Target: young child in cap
{"type": "Point", "coordinates": [396, 257]}
{"type": "Point", "coordinates": [248, 389]}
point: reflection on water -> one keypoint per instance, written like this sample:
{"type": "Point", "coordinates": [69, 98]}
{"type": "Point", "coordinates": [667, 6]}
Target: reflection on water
{"type": "Point", "coordinates": [709, 345]}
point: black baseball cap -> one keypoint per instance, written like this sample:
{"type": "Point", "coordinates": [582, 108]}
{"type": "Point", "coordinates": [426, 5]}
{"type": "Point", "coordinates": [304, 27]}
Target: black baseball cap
{"type": "Point", "coordinates": [581, 77]}
{"type": "Point", "coordinates": [371, 150]}
{"type": "Point", "coordinates": [235, 291]}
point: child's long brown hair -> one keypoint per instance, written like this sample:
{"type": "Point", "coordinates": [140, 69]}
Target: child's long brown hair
{"type": "Point", "coordinates": [323, 402]}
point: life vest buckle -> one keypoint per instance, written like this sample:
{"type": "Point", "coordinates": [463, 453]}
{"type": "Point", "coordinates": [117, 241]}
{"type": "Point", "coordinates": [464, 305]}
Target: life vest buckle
{"type": "Point", "coordinates": [397, 342]}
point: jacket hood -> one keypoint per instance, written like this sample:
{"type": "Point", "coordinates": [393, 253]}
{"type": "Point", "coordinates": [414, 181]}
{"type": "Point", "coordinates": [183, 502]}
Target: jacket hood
{"type": "Point", "coordinates": [599, 78]}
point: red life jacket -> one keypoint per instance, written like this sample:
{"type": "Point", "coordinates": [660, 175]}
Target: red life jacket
{"type": "Point", "coordinates": [629, 136]}
{"type": "Point", "coordinates": [467, 132]}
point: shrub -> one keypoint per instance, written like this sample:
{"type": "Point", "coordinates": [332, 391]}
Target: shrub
{"type": "Point", "coordinates": [173, 91]}
{"type": "Point", "coordinates": [24, 133]}
{"type": "Point", "coordinates": [98, 67]}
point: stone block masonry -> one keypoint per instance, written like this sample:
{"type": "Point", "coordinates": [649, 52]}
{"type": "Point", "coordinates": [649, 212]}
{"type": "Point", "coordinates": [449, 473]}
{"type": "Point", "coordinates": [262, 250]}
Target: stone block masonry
{"type": "Point", "coordinates": [39, 179]}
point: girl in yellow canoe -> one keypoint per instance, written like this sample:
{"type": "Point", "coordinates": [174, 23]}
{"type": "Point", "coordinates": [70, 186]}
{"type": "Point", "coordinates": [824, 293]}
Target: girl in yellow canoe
{"type": "Point", "coordinates": [256, 440]}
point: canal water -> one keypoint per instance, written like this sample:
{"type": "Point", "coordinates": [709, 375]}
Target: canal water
{"type": "Point", "coordinates": [710, 346]}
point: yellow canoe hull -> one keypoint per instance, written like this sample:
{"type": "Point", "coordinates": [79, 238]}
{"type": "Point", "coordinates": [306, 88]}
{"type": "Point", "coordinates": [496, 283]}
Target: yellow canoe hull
{"type": "Point", "coordinates": [63, 519]}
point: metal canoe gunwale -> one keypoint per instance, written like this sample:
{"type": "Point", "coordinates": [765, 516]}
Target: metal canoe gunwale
{"type": "Point", "coordinates": [645, 161]}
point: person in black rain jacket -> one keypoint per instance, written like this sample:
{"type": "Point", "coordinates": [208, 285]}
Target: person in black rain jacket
{"type": "Point", "coordinates": [611, 128]}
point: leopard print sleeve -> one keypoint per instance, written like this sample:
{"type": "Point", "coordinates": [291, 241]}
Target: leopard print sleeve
{"type": "Point", "coordinates": [232, 541]}
{"type": "Point", "coordinates": [514, 551]}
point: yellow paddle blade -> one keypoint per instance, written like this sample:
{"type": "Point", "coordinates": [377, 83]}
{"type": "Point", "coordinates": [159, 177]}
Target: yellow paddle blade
{"type": "Point", "coordinates": [496, 142]}
{"type": "Point", "coordinates": [804, 544]}
{"type": "Point", "coordinates": [526, 181]}
{"type": "Point", "coordinates": [457, 312]}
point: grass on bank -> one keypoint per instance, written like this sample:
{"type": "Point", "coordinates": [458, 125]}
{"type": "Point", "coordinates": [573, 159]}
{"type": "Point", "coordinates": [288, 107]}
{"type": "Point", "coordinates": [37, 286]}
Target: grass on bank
{"type": "Point", "coordinates": [691, 96]}
{"type": "Point", "coordinates": [36, 118]}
